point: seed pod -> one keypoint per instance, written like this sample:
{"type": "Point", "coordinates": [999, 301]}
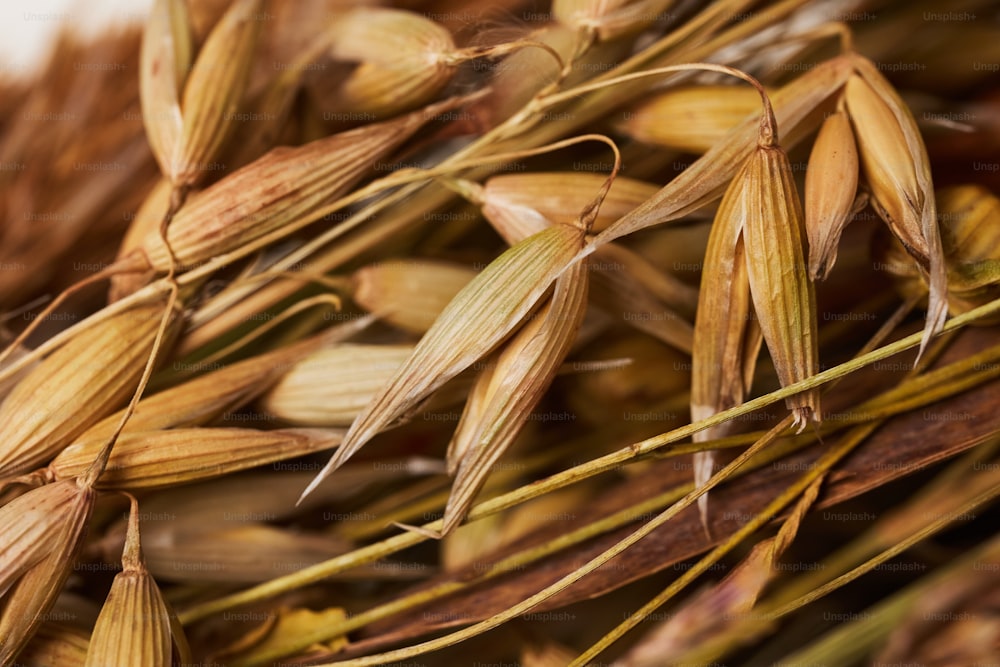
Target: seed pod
{"type": "Point", "coordinates": [409, 294]}
{"type": "Point", "coordinates": [331, 386]}
{"type": "Point", "coordinates": [477, 319]}
{"type": "Point", "coordinates": [77, 385]}
{"type": "Point", "coordinates": [152, 630]}
{"type": "Point", "coordinates": [404, 60]}
{"type": "Point", "coordinates": [163, 458]}
{"type": "Point", "coordinates": [690, 118]}
{"type": "Point", "coordinates": [43, 531]}
{"type": "Point", "coordinates": [831, 187]}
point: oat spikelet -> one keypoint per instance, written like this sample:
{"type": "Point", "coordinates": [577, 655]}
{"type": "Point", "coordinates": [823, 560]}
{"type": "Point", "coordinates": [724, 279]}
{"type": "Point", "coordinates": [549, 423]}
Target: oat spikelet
{"type": "Point", "coordinates": [476, 320]}
{"type": "Point", "coordinates": [148, 459]}
{"type": "Point", "coordinates": [135, 626]}
{"type": "Point", "coordinates": [409, 294]}
{"type": "Point", "coordinates": [284, 186]}
{"type": "Point", "coordinates": [404, 60]}
{"type": "Point", "coordinates": [783, 296]}
{"type": "Point", "coordinates": [689, 118]}
{"type": "Point", "coordinates": [608, 19]}
{"type": "Point", "coordinates": [165, 60]}
{"type": "Point", "coordinates": [214, 90]}
{"type": "Point", "coordinates": [727, 338]}
{"type": "Point", "coordinates": [706, 178]}
{"type": "Point", "coordinates": [43, 531]}
{"type": "Point", "coordinates": [199, 401]}
{"type": "Point", "coordinates": [831, 187]}
{"type": "Point", "coordinates": [519, 205]}
{"type": "Point", "coordinates": [898, 171]}
{"type": "Point", "coordinates": [333, 385]}
{"type": "Point", "coordinates": [524, 370]}
{"type": "Point", "coordinates": [77, 385]}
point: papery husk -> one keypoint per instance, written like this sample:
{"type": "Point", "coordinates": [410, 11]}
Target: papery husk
{"type": "Point", "coordinates": [519, 205]}
{"type": "Point", "coordinates": [149, 459]}
{"type": "Point", "coordinates": [706, 178]}
{"type": "Point", "coordinates": [333, 385]}
{"type": "Point", "coordinates": [284, 186]}
{"type": "Point", "coordinates": [524, 370]}
{"type": "Point", "coordinates": [727, 337]}
{"type": "Point", "coordinates": [203, 399]}
{"type": "Point", "coordinates": [151, 631]}
{"type": "Point", "coordinates": [242, 552]}
{"type": "Point", "coordinates": [513, 202]}
{"type": "Point", "coordinates": [784, 298]}
{"type": "Point", "coordinates": [237, 498]}
{"type": "Point", "coordinates": [898, 172]}
{"type": "Point", "coordinates": [403, 60]}
{"type": "Point", "coordinates": [831, 188]}
{"type": "Point", "coordinates": [214, 91]}
{"type": "Point", "coordinates": [477, 319]}
{"type": "Point", "coordinates": [165, 62]}
{"type": "Point", "coordinates": [609, 19]}
{"type": "Point", "coordinates": [78, 384]}
{"type": "Point", "coordinates": [409, 294]}
{"type": "Point", "coordinates": [969, 218]}
{"type": "Point", "coordinates": [523, 74]}
{"type": "Point", "coordinates": [56, 645]}
{"type": "Point", "coordinates": [689, 118]}
{"type": "Point", "coordinates": [41, 545]}
{"type": "Point", "coordinates": [144, 228]}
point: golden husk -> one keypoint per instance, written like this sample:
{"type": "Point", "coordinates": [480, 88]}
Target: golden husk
{"type": "Point", "coordinates": [77, 385]}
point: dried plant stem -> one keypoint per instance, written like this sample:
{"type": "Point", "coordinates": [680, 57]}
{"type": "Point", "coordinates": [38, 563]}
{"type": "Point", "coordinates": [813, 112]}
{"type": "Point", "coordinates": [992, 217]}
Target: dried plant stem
{"type": "Point", "coordinates": [374, 552]}
{"type": "Point", "coordinates": [856, 558]}
{"type": "Point", "coordinates": [518, 561]}
{"type": "Point", "coordinates": [829, 459]}
{"type": "Point", "coordinates": [271, 324]}
{"type": "Point", "coordinates": [579, 573]}
{"type": "Point", "coordinates": [889, 612]}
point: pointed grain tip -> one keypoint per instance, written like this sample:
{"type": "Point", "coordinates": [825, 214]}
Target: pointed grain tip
{"type": "Point", "coordinates": [317, 480]}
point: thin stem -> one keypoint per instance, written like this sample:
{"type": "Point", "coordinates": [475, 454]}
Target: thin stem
{"type": "Point", "coordinates": [565, 478]}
